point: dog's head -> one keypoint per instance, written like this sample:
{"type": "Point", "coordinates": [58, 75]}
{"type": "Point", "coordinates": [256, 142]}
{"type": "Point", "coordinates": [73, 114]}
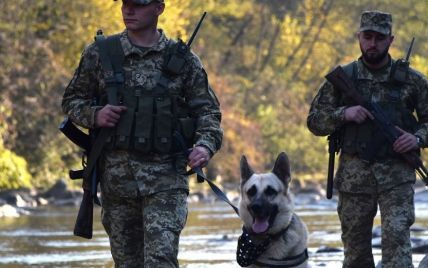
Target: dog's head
{"type": "Point", "coordinates": [265, 201]}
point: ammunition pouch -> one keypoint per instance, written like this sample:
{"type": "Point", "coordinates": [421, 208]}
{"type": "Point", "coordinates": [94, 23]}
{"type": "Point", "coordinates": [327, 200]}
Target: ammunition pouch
{"type": "Point", "coordinates": [153, 114]}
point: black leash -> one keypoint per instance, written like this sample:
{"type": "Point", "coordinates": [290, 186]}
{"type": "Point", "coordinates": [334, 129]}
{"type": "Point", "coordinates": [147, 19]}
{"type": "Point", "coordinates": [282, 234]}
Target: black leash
{"type": "Point", "coordinates": [200, 176]}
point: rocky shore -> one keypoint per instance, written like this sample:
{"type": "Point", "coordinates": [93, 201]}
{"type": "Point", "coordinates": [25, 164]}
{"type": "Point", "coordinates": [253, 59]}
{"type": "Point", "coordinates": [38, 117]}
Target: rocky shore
{"type": "Point", "coordinates": [14, 203]}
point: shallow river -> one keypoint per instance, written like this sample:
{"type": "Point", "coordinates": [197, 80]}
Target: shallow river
{"type": "Point", "coordinates": [44, 238]}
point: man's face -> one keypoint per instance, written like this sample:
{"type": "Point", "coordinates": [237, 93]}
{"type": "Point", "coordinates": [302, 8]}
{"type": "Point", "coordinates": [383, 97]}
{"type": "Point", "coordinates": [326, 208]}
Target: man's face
{"type": "Point", "coordinates": [140, 17]}
{"type": "Point", "coordinates": [374, 46]}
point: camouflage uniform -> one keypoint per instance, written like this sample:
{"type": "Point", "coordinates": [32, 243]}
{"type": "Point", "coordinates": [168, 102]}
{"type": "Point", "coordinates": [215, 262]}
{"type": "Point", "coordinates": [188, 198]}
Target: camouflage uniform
{"type": "Point", "coordinates": [387, 182]}
{"type": "Point", "coordinates": [144, 195]}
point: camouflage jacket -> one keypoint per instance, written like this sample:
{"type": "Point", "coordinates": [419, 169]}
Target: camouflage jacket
{"type": "Point", "coordinates": [144, 65]}
{"type": "Point", "coordinates": [326, 115]}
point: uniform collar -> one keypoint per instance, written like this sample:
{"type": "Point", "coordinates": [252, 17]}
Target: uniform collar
{"type": "Point", "coordinates": [129, 48]}
{"type": "Point", "coordinates": [382, 75]}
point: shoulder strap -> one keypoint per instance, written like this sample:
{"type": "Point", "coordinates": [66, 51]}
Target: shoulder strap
{"type": "Point", "coordinates": [111, 57]}
{"type": "Point", "coordinates": [351, 70]}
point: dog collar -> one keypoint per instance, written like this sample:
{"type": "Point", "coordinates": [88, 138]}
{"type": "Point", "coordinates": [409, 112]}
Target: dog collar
{"type": "Point", "coordinates": [248, 251]}
{"type": "Point", "coordinates": [289, 262]}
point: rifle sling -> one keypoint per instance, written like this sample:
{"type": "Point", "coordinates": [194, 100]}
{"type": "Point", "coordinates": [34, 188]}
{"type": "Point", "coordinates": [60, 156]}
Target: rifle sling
{"type": "Point", "coordinates": [111, 58]}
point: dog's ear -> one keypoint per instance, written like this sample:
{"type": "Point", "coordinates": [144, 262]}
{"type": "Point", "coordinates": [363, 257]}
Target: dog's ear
{"type": "Point", "coordinates": [246, 170]}
{"type": "Point", "coordinates": [282, 168]}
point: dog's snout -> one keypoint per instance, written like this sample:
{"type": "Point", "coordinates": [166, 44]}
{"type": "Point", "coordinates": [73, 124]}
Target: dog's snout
{"type": "Point", "coordinates": [257, 207]}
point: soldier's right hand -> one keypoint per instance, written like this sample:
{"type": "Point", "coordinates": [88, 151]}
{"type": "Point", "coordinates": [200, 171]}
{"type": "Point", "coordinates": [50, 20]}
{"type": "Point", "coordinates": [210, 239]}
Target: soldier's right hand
{"type": "Point", "coordinates": [357, 114]}
{"type": "Point", "coordinates": [109, 115]}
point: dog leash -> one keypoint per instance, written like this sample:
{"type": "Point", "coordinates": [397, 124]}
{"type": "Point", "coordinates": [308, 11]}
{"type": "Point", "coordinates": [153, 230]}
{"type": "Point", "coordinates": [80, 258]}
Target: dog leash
{"type": "Point", "coordinates": [200, 175]}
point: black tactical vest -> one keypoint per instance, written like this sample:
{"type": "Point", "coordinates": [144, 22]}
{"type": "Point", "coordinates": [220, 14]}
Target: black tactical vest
{"type": "Point", "coordinates": [365, 139]}
{"type": "Point", "coordinates": [154, 115]}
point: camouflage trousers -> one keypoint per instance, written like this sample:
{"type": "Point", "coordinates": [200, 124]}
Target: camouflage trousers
{"type": "Point", "coordinates": [356, 214]}
{"type": "Point", "coordinates": [144, 232]}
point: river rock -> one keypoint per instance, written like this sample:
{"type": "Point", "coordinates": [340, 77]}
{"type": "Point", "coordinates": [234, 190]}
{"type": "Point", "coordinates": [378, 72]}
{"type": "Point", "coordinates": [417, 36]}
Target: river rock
{"type": "Point", "coordinates": [11, 211]}
{"type": "Point", "coordinates": [420, 247]}
{"type": "Point", "coordinates": [58, 191]}
{"type": "Point", "coordinates": [418, 229]}
{"type": "Point", "coordinates": [326, 249]}
{"type": "Point", "coordinates": [18, 198]}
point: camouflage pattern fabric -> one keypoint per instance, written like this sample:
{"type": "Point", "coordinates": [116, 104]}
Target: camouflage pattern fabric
{"type": "Point", "coordinates": [377, 21]}
{"type": "Point", "coordinates": [145, 230]}
{"type": "Point", "coordinates": [129, 175]}
{"type": "Point", "coordinates": [356, 213]}
{"type": "Point", "coordinates": [368, 183]}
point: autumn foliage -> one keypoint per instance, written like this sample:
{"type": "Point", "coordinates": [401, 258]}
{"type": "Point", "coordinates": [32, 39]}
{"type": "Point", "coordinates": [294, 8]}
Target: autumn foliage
{"type": "Point", "coordinates": [265, 60]}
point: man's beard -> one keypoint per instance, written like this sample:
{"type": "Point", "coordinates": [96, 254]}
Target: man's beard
{"type": "Point", "coordinates": [374, 58]}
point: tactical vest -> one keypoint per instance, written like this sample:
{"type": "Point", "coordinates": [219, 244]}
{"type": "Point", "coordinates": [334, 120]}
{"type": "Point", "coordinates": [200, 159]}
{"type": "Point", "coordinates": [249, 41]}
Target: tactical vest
{"type": "Point", "coordinates": [154, 115]}
{"type": "Point", "coordinates": [365, 139]}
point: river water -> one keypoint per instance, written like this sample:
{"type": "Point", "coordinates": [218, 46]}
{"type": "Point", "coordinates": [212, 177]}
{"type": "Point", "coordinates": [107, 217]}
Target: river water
{"type": "Point", "coordinates": [44, 238]}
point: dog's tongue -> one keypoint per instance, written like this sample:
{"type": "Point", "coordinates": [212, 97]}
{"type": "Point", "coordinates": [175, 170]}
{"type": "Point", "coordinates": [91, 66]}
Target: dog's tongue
{"type": "Point", "coordinates": [260, 226]}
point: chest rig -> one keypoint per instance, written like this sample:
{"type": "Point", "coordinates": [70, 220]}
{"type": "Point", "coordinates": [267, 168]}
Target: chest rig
{"type": "Point", "coordinates": [153, 114]}
{"type": "Point", "coordinates": [366, 139]}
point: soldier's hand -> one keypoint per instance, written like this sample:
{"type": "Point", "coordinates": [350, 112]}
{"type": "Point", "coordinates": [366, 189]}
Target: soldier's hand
{"type": "Point", "coordinates": [109, 115]}
{"type": "Point", "coordinates": [357, 114]}
{"type": "Point", "coordinates": [199, 157]}
{"type": "Point", "coordinates": [405, 143]}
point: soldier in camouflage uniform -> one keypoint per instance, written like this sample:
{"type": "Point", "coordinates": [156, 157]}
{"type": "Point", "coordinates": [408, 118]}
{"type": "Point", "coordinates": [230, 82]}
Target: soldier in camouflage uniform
{"type": "Point", "coordinates": [385, 180]}
{"type": "Point", "coordinates": [144, 192]}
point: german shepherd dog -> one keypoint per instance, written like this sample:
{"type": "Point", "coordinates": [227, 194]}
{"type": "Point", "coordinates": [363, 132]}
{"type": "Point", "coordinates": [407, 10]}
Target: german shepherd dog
{"type": "Point", "coordinates": [273, 235]}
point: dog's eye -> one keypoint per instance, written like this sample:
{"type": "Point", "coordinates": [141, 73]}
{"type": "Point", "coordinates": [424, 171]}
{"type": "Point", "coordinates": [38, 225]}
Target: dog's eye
{"type": "Point", "coordinates": [252, 191]}
{"type": "Point", "coordinates": [270, 191]}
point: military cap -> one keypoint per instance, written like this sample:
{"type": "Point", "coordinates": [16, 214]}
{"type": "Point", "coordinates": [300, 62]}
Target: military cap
{"type": "Point", "coordinates": [145, 2]}
{"type": "Point", "coordinates": [377, 21]}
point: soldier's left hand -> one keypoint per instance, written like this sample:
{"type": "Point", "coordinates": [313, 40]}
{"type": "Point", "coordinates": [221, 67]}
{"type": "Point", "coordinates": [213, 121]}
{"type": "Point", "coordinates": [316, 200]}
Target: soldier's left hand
{"type": "Point", "coordinates": [199, 157]}
{"type": "Point", "coordinates": [405, 143]}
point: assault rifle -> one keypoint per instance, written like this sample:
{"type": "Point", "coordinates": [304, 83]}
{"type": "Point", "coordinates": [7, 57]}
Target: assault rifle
{"type": "Point", "coordinates": [341, 81]}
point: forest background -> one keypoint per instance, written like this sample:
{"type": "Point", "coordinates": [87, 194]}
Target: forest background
{"type": "Point", "coordinates": [265, 60]}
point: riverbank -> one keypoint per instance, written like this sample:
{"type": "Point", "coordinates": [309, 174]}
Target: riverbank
{"type": "Point", "coordinates": [14, 203]}
{"type": "Point", "coordinates": [212, 224]}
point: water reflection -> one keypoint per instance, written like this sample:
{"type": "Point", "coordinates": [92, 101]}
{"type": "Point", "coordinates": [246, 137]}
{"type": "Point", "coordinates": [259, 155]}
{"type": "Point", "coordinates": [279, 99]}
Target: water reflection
{"type": "Point", "coordinates": [44, 238]}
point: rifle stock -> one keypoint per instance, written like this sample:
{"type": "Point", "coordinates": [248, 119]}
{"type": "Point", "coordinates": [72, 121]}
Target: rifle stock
{"type": "Point", "coordinates": [331, 156]}
{"type": "Point", "coordinates": [84, 221]}
{"type": "Point", "coordinates": [340, 80]}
